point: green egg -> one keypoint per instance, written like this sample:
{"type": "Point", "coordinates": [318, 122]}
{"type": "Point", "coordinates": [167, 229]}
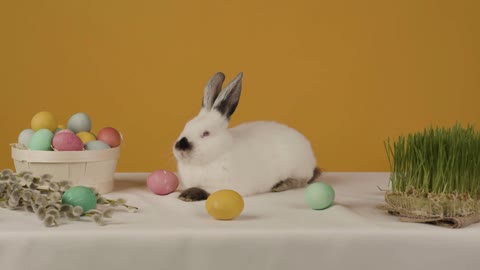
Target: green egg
{"type": "Point", "coordinates": [41, 140]}
{"type": "Point", "coordinates": [319, 196]}
{"type": "Point", "coordinates": [80, 196]}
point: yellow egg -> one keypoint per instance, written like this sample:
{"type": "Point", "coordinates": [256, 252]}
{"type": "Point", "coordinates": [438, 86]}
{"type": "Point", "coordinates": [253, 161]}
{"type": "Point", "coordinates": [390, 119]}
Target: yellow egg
{"type": "Point", "coordinates": [224, 204]}
{"type": "Point", "coordinates": [86, 136]}
{"type": "Point", "coordinates": [61, 126]}
{"type": "Point", "coordinates": [44, 120]}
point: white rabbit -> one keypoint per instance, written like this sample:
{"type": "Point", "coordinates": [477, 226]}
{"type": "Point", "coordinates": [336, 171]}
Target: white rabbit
{"type": "Point", "coordinates": [251, 158]}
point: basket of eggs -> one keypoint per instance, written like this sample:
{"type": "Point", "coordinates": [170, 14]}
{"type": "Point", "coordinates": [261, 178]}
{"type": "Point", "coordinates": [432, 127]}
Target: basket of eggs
{"type": "Point", "coordinates": [72, 153]}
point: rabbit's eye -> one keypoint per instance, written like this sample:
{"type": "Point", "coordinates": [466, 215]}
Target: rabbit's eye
{"type": "Point", "coordinates": [205, 133]}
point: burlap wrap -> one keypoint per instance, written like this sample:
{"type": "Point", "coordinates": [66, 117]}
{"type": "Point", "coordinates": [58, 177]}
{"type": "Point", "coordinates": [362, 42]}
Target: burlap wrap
{"type": "Point", "coordinates": [448, 210]}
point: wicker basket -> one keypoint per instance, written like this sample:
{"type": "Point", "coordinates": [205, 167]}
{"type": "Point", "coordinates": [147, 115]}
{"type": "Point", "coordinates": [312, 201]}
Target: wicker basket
{"type": "Point", "coordinates": [87, 168]}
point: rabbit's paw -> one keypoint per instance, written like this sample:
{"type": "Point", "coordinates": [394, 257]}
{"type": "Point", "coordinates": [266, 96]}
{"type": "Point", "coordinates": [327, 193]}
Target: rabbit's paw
{"type": "Point", "coordinates": [193, 194]}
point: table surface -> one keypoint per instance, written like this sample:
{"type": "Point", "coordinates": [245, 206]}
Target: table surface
{"type": "Point", "coordinates": [275, 231]}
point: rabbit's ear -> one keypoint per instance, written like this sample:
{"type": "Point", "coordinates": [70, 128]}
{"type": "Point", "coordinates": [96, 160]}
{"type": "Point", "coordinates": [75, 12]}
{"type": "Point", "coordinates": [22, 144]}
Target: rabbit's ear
{"type": "Point", "coordinates": [228, 99]}
{"type": "Point", "coordinates": [212, 89]}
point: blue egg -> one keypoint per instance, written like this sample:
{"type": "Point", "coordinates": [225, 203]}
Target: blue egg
{"type": "Point", "coordinates": [25, 136]}
{"type": "Point", "coordinates": [96, 145]}
{"type": "Point", "coordinates": [79, 122]}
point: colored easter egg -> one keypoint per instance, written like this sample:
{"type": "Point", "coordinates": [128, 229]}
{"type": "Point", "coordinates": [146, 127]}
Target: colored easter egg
{"type": "Point", "coordinates": [319, 196]}
{"type": "Point", "coordinates": [96, 145]}
{"type": "Point", "coordinates": [44, 120]}
{"type": "Point", "coordinates": [110, 136]}
{"type": "Point", "coordinates": [64, 131]}
{"type": "Point", "coordinates": [79, 122]}
{"type": "Point", "coordinates": [86, 136]}
{"type": "Point", "coordinates": [80, 196]}
{"type": "Point", "coordinates": [162, 182]}
{"type": "Point", "coordinates": [224, 204]}
{"type": "Point", "coordinates": [41, 140]}
{"type": "Point", "coordinates": [60, 128]}
{"type": "Point", "coordinates": [67, 142]}
{"type": "Point", "coordinates": [25, 136]}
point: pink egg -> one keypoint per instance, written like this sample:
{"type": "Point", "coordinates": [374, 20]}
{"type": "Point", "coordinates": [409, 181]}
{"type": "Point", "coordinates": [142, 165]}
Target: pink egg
{"type": "Point", "coordinates": [162, 182]}
{"type": "Point", "coordinates": [64, 131]}
{"type": "Point", "coordinates": [110, 136]}
{"type": "Point", "coordinates": [67, 141]}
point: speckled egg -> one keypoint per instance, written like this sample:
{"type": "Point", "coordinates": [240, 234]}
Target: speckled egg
{"type": "Point", "coordinates": [59, 128]}
{"type": "Point", "coordinates": [64, 131]}
{"type": "Point", "coordinates": [162, 182]}
{"type": "Point", "coordinates": [41, 140]}
{"type": "Point", "coordinates": [67, 142]}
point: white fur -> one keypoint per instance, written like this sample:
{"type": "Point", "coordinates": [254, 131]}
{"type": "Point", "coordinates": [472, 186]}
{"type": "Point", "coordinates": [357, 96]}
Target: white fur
{"type": "Point", "coordinates": [249, 158]}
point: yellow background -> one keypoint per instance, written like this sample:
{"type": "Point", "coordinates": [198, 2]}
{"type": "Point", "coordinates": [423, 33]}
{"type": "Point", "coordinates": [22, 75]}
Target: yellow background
{"type": "Point", "coordinates": [348, 74]}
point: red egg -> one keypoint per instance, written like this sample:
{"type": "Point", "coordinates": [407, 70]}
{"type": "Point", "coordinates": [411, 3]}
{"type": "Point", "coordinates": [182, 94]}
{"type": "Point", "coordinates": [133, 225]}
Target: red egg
{"type": "Point", "coordinates": [162, 182]}
{"type": "Point", "coordinates": [110, 136]}
{"type": "Point", "coordinates": [67, 141]}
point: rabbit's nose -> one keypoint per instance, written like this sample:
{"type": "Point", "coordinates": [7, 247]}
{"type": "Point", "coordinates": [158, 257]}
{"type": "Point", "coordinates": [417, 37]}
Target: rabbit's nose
{"type": "Point", "coordinates": [183, 144]}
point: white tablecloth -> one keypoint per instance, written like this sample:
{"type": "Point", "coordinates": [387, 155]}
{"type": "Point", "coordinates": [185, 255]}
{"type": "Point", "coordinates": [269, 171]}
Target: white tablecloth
{"type": "Point", "coordinates": [275, 231]}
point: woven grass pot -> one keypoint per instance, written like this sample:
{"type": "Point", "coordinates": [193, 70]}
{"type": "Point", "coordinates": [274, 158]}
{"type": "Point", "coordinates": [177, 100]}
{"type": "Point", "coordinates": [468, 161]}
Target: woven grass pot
{"type": "Point", "coordinates": [435, 177]}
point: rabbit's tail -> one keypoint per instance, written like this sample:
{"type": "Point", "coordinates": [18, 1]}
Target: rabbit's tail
{"type": "Point", "coordinates": [292, 183]}
{"type": "Point", "coordinates": [316, 173]}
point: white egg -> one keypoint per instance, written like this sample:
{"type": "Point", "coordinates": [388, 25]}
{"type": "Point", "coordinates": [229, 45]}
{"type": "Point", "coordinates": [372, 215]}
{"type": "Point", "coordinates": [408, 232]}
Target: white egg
{"type": "Point", "coordinates": [24, 137]}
